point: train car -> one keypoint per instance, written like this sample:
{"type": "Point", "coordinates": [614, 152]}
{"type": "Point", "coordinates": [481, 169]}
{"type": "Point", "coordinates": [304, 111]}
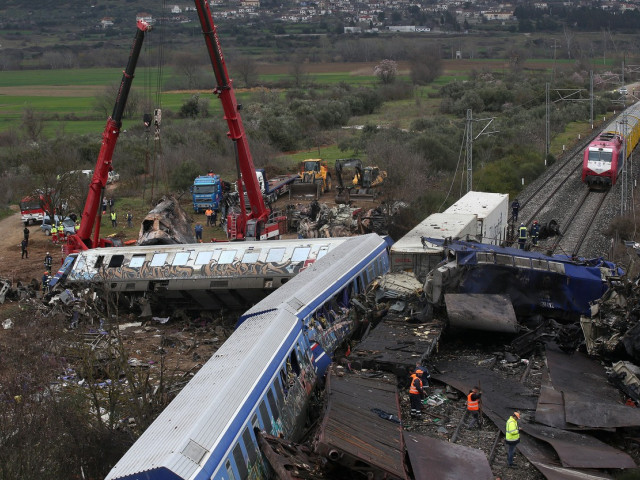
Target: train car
{"type": "Point", "coordinates": [261, 377]}
{"type": "Point", "coordinates": [198, 274]}
{"type": "Point", "coordinates": [604, 157]}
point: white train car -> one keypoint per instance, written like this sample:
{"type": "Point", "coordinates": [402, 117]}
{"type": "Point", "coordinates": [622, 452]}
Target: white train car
{"type": "Point", "coordinates": [413, 254]}
{"type": "Point", "coordinates": [209, 275]}
{"type": "Point", "coordinates": [261, 378]}
{"type": "Point", "coordinates": [491, 211]}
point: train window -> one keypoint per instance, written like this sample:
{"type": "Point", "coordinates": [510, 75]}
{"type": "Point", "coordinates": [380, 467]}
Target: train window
{"type": "Point", "coordinates": [203, 258]}
{"type": "Point", "coordinates": [137, 261]}
{"type": "Point", "coordinates": [116, 261]}
{"type": "Point", "coordinates": [249, 446]}
{"type": "Point", "coordinates": [216, 255]}
{"type": "Point", "coordinates": [229, 468]}
{"type": "Point", "coordinates": [250, 257]}
{"type": "Point", "coordinates": [158, 260]}
{"type": "Point", "coordinates": [274, 405]}
{"type": "Point", "coordinates": [523, 262]}
{"type": "Point", "coordinates": [300, 254]}
{"type": "Point", "coordinates": [181, 258]}
{"type": "Point", "coordinates": [285, 383]}
{"type": "Point", "coordinates": [241, 463]}
{"type": "Point", "coordinates": [322, 252]}
{"type": "Point", "coordinates": [360, 284]}
{"type": "Point", "coordinates": [264, 416]}
{"type": "Point", "coordinates": [227, 257]}
{"type": "Point", "coordinates": [279, 392]}
{"type": "Point", "coordinates": [99, 261]}
{"type": "Point", "coordinates": [294, 362]}
{"type": "Point", "coordinates": [275, 255]}
{"type": "Point", "coordinates": [556, 267]}
{"type": "Point", "coordinates": [254, 421]}
{"type": "Point", "coordinates": [484, 257]}
{"type": "Point", "coordinates": [540, 264]}
{"type": "Point", "coordinates": [504, 259]}
{"type": "Point", "coordinates": [370, 273]}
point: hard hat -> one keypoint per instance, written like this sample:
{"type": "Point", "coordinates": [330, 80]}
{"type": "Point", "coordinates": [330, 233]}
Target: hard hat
{"type": "Point", "coordinates": [419, 372]}
{"type": "Point", "coordinates": [517, 415]}
{"type": "Point", "coordinates": [46, 273]}
{"type": "Point", "coordinates": [522, 224]}
{"type": "Point", "coordinates": [47, 253]}
{"type": "Point", "coordinates": [535, 222]}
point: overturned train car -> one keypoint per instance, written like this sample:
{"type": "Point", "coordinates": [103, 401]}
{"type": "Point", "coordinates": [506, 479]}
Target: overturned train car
{"type": "Point", "coordinates": [557, 286]}
{"type": "Point", "coordinates": [261, 377]}
{"type": "Point", "coordinates": [206, 275]}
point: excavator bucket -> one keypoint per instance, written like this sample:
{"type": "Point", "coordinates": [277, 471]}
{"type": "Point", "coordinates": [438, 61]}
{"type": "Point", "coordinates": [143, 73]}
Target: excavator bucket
{"type": "Point", "coordinates": [303, 189]}
{"type": "Point", "coordinates": [343, 195]}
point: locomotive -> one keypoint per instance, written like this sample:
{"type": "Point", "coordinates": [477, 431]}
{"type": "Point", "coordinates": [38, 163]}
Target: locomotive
{"type": "Point", "coordinates": [604, 157]}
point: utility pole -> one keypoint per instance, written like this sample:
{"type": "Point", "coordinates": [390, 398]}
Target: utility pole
{"type": "Point", "coordinates": [547, 133]}
{"type": "Point", "coordinates": [591, 97]}
{"type": "Point", "coordinates": [469, 150]}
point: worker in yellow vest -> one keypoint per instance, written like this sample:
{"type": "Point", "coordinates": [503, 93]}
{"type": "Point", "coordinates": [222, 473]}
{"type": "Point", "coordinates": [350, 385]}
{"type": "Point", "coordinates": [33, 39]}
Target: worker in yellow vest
{"type": "Point", "coordinates": [512, 436]}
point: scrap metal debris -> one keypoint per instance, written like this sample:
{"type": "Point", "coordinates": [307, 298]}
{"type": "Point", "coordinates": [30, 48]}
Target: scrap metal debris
{"type": "Point", "coordinates": [166, 224]}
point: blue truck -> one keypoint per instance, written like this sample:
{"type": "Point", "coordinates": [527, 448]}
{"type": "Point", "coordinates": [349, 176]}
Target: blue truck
{"type": "Point", "coordinates": [207, 192]}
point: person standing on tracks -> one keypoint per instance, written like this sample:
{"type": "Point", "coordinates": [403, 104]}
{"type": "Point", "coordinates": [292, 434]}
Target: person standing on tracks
{"type": "Point", "coordinates": [515, 208]}
{"type": "Point", "coordinates": [535, 232]}
{"type": "Point", "coordinates": [473, 406]}
{"type": "Point", "coordinates": [416, 393]}
{"type": "Point", "coordinates": [512, 436]}
{"type": "Point", "coordinates": [522, 236]}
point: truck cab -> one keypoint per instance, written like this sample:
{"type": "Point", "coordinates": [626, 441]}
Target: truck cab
{"type": "Point", "coordinates": [207, 192]}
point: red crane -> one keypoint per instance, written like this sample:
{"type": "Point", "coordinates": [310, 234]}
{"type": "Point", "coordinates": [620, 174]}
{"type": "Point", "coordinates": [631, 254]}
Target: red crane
{"type": "Point", "coordinates": [90, 216]}
{"type": "Point", "coordinates": [256, 224]}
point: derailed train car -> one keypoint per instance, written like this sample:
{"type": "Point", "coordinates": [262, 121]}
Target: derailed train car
{"type": "Point", "coordinates": [604, 157]}
{"type": "Point", "coordinates": [209, 275]}
{"type": "Point", "coordinates": [558, 286]}
{"type": "Point", "coordinates": [261, 377]}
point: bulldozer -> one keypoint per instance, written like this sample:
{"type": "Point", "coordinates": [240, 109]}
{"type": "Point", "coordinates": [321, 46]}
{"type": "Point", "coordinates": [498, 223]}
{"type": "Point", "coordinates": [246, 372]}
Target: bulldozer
{"type": "Point", "coordinates": [365, 182]}
{"type": "Point", "coordinates": [314, 179]}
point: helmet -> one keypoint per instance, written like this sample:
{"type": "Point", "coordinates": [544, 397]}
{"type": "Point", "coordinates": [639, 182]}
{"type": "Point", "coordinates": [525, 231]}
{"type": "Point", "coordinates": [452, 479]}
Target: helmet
{"type": "Point", "coordinates": [522, 224]}
{"type": "Point", "coordinates": [419, 372]}
{"type": "Point", "coordinates": [535, 222]}
{"type": "Point", "coordinates": [517, 415]}
{"type": "Point", "coordinates": [47, 253]}
{"type": "Point", "coordinates": [46, 273]}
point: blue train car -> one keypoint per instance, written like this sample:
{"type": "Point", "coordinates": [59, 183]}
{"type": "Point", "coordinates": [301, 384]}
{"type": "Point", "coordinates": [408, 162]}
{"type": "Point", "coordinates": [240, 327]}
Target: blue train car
{"type": "Point", "coordinates": [261, 377]}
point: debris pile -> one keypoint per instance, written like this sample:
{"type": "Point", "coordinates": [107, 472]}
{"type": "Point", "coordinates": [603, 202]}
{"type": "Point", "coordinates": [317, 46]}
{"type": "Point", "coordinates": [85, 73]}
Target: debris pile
{"type": "Point", "coordinates": [166, 224]}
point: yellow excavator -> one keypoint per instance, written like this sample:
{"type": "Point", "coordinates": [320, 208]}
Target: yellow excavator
{"type": "Point", "coordinates": [365, 182]}
{"type": "Point", "coordinates": [314, 179]}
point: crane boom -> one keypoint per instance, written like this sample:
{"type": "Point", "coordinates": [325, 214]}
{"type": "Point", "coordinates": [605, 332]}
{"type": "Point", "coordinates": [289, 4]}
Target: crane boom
{"type": "Point", "coordinates": [90, 215]}
{"type": "Point", "coordinates": [224, 91]}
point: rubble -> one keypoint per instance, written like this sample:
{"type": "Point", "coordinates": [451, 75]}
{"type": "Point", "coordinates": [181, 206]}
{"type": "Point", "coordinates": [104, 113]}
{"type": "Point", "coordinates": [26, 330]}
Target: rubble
{"type": "Point", "coordinates": [166, 224]}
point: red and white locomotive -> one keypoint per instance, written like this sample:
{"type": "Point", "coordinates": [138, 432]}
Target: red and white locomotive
{"type": "Point", "coordinates": [604, 157]}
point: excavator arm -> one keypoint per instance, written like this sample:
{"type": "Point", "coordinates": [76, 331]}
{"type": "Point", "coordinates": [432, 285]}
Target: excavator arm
{"type": "Point", "coordinates": [90, 221]}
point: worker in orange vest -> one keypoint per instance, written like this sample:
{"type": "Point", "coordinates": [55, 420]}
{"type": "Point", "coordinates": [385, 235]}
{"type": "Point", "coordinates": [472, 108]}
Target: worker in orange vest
{"type": "Point", "coordinates": [473, 406]}
{"type": "Point", "coordinates": [416, 393]}
{"type": "Point", "coordinates": [209, 213]}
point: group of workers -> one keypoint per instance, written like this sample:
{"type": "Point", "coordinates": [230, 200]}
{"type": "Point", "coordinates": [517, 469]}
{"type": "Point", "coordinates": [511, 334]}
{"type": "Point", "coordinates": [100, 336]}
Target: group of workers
{"type": "Point", "coordinates": [523, 232]}
{"type": "Point", "coordinates": [417, 391]}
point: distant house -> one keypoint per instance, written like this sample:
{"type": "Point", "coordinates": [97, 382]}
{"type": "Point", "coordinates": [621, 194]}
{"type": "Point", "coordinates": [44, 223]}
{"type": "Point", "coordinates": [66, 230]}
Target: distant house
{"type": "Point", "coordinates": [145, 17]}
{"type": "Point", "coordinates": [106, 22]}
{"type": "Point", "coordinates": [176, 9]}
{"type": "Point", "coordinates": [352, 30]}
{"type": "Point", "coordinates": [250, 3]}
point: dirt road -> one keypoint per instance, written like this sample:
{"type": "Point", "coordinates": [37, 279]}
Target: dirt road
{"type": "Point", "coordinates": [12, 266]}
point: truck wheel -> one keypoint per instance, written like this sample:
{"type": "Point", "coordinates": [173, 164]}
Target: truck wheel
{"type": "Point", "coordinates": [47, 232]}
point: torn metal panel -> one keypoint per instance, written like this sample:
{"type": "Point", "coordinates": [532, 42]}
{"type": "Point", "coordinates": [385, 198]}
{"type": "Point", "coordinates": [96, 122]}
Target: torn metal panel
{"type": "Point", "coordinates": [493, 313]}
{"type": "Point", "coordinates": [590, 400]}
{"type": "Point", "coordinates": [433, 458]}
{"type": "Point", "coordinates": [397, 346]}
{"type": "Point", "coordinates": [354, 432]}
{"type": "Point", "coordinates": [399, 285]}
{"type": "Point", "coordinates": [550, 409]}
{"type": "Point", "coordinates": [166, 224]}
{"type": "Point", "coordinates": [578, 450]}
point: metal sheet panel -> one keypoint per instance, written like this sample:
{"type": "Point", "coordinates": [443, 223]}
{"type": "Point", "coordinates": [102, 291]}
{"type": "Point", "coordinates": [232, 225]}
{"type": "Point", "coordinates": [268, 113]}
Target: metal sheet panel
{"type": "Point", "coordinates": [433, 458]}
{"type": "Point", "coordinates": [493, 313]}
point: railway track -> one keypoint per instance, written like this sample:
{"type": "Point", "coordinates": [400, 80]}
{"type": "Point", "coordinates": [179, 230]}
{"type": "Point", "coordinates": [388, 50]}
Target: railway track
{"type": "Point", "coordinates": [578, 223]}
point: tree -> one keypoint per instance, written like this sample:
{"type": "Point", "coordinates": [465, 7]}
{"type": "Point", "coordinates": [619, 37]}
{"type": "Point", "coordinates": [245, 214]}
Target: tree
{"type": "Point", "coordinates": [32, 124]}
{"type": "Point", "coordinates": [188, 65]}
{"type": "Point", "coordinates": [247, 68]}
{"type": "Point", "coordinates": [425, 67]}
{"type": "Point", "coordinates": [386, 71]}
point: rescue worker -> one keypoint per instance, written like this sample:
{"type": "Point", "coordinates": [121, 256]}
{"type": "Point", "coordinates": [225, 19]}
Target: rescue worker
{"type": "Point", "coordinates": [45, 282]}
{"type": "Point", "coordinates": [23, 246]}
{"type": "Point", "coordinates": [416, 393]}
{"type": "Point", "coordinates": [198, 230]}
{"type": "Point", "coordinates": [129, 220]}
{"type": "Point", "coordinates": [77, 227]}
{"type": "Point", "coordinates": [48, 261]}
{"type": "Point", "coordinates": [26, 234]}
{"type": "Point", "coordinates": [114, 217]}
{"type": "Point", "coordinates": [54, 233]}
{"type": "Point", "coordinates": [535, 232]}
{"type": "Point", "coordinates": [473, 406]}
{"type": "Point", "coordinates": [515, 208]}
{"type": "Point", "coordinates": [208, 213]}
{"type": "Point", "coordinates": [512, 436]}
{"type": "Point", "coordinates": [104, 206]}
{"type": "Point", "coordinates": [214, 217]}
{"type": "Point", "coordinates": [522, 236]}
